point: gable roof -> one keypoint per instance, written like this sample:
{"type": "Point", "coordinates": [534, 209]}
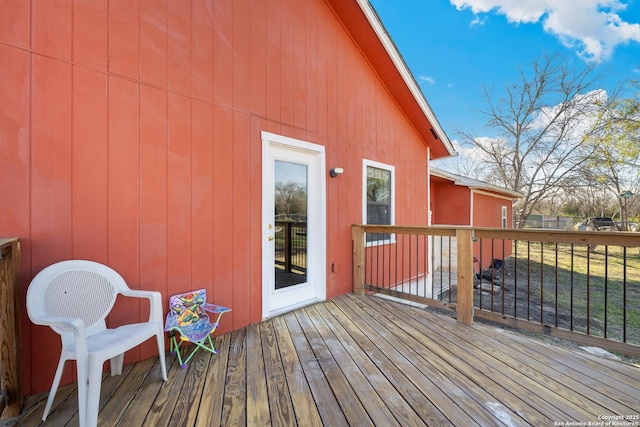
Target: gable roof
{"type": "Point", "coordinates": [473, 184]}
{"type": "Point", "coordinates": [367, 31]}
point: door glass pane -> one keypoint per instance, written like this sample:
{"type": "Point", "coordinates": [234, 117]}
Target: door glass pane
{"type": "Point", "coordinates": [290, 197]}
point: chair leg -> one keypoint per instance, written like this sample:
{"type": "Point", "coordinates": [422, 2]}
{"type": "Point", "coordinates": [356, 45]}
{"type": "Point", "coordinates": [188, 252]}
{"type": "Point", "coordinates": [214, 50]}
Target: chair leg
{"type": "Point", "coordinates": [93, 391]}
{"type": "Point", "coordinates": [116, 364]}
{"type": "Point", "coordinates": [54, 386]}
{"type": "Point", "coordinates": [82, 370]}
{"type": "Point", "coordinates": [161, 355]}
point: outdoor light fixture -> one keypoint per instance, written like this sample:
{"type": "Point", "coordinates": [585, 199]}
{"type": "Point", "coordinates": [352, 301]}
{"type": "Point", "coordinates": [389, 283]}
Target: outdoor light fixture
{"type": "Point", "coordinates": [335, 172]}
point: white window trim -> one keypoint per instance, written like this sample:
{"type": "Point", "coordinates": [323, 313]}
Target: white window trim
{"type": "Point", "coordinates": [365, 164]}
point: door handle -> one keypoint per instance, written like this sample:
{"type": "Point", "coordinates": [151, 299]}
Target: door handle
{"type": "Point", "coordinates": [270, 238]}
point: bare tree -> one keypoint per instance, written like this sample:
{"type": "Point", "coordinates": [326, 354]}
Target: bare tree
{"type": "Point", "coordinates": [542, 124]}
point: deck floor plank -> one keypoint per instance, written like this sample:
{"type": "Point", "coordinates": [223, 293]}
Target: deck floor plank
{"type": "Point", "coordinates": [480, 392]}
{"type": "Point", "coordinates": [362, 360]}
{"type": "Point", "coordinates": [257, 398]}
{"type": "Point", "coordinates": [372, 403]}
{"type": "Point", "coordinates": [326, 401]}
{"type": "Point", "coordinates": [210, 409]}
{"type": "Point", "coordinates": [234, 411]}
{"type": "Point", "coordinates": [384, 388]}
{"type": "Point", "coordinates": [304, 407]}
{"type": "Point", "coordinates": [407, 376]}
{"type": "Point", "coordinates": [528, 390]}
{"type": "Point", "coordinates": [279, 399]}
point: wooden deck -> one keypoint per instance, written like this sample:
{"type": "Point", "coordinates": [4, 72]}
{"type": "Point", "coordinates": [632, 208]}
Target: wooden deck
{"type": "Point", "coordinates": [364, 361]}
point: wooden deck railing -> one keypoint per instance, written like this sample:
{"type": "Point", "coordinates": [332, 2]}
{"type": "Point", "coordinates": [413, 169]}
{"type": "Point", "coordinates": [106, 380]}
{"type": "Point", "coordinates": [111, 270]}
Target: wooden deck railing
{"type": "Point", "coordinates": [582, 286]}
{"type": "Point", "coordinates": [10, 337]}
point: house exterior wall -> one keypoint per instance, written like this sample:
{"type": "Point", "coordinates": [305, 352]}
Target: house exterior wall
{"type": "Point", "coordinates": [487, 212]}
{"type": "Point", "coordinates": [130, 133]}
{"type": "Point", "coordinates": [450, 204]}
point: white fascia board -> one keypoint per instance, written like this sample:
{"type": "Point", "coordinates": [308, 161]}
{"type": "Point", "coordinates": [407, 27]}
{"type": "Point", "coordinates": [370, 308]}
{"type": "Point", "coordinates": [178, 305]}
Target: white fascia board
{"type": "Point", "coordinates": [408, 78]}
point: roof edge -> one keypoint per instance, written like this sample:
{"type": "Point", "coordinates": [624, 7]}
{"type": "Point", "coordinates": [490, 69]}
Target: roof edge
{"type": "Point", "coordinates": [474, 183]}
{"type": "Point", "coordinates": [405, 73]}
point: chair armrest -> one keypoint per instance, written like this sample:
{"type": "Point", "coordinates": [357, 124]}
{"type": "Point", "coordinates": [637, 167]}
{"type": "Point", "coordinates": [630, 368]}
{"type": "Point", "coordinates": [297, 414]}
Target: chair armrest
{"type": "Point", "coordinates": [212, 308]}
{"type": "Point", "coordinates": [155, 302]}
{"type": "Point", "coordinates": [60, 322]}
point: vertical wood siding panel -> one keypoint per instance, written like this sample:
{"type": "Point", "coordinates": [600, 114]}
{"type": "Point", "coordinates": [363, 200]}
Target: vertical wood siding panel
{"type": "Point", "coordinates": [223, 210]}
{"type": "Point", "coordinates": [179, 194]}
{"type": "Point", "coordinates": [51, 161]}
{"type": "Point", "coordinates": [222, 53]}
{"type": "Point", "coordinates": [179, 47]}
{"type": "Point", "coordinates": [124, 196]}
{"type": "Point", "coordinates": [51, 28]}
{"type": "Point", "coordinates": [50, 188]}
{"type": "Point", "coordinates": [273, 64]}
{"type": "Point", "coordinates": [299, 64]}
{"type": "Point", "coordinates": [343, 91]}
{"type": "Point", "coordinates": [311, 69]}
{"type": "Point", "coordinates": [15, 22]}
{"type": "Point", "coordinates": [90, 133]}
{"type": "Point", "coordinates": [321, 82]}
{"type": "Point", "coordinates": [202, 50]}
{"type": "Point", "coordinates": [287, 65]}
{"type": "Point", "coordinates": [243, 214]}
{"type": "Point", "coordinates": [241, 55]}
{"type": "Point", "coordinates": [90, 33]}
{"type": "Point", "coordinates": [153, 196]}
{"type": "Point", "coordinates": [332, 30]}
{"type": "Point", "coordinates": [258, 55]}
{"type": "Point", "coordinates": [15, 76]}
{"type": "Point", "coordinates": [124, 42]}
{"type": "Point", "coordinates": [153, 42]}
{"type": "Point", "coordinates": [202, 199]}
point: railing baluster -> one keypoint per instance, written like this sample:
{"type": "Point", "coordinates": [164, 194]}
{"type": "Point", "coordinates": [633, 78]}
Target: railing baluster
{"type": "Point", "coordinates": [624, 294]}
{"type": "Point", "coordinates": [588, 291]}
{"type": "Point", "coordinates": [515, 279]}
{"type": "Point", "coordinates": [606, 286]}
{"type": "Point", "coordinates": [542, 283]}
{"type": "Point", "coordinates": [556, 284]}
{"type": "Point", "coordinates": [571, 290]}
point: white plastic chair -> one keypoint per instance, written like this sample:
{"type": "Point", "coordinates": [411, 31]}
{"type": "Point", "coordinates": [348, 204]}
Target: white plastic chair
{"type": "Point", "coordinates": [73, 298]}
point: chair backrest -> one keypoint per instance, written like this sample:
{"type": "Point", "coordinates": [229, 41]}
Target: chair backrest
{"type": "Point", "coordinates": [188, 307]}
{"type": "Point", "coordinates": [74, 289]}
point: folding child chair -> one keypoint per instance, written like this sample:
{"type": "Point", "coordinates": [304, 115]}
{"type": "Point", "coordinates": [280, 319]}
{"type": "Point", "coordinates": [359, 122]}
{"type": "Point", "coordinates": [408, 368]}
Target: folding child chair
{"type": "Point", "coordinates": [188, 321]}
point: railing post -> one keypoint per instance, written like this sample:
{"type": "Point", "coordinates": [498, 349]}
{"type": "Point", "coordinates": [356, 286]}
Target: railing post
{"type": "Point", "coordinates": [357, 237]}
{"type": "Point", "coordinates": [465, 276]}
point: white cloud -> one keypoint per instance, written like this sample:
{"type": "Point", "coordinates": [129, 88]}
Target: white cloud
{"type": "Point", "coordinates": [428, 79]}
{"type": "Point", "coordinates": [593, 27]}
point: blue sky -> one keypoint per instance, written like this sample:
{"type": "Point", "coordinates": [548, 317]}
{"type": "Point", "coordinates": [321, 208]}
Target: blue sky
{"type": "Point", "coordinates": [454, 47]}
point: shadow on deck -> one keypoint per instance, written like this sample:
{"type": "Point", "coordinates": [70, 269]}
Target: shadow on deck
{"type": "Point", "coordinates": [364, 361]}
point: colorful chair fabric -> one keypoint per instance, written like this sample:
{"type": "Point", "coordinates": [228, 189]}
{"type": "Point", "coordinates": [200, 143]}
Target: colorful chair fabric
{"type": "Point", "coordinates": [188, 321]}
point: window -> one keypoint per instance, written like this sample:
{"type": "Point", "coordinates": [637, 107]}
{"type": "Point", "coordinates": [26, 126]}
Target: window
{"type": "Point", "coordinates": [504, 217]}
{"type": "Point", "coordinates": [378, 204]}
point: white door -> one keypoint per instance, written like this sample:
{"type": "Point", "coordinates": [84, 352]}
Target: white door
{"type": "Point", "coordinates": [294, 224]}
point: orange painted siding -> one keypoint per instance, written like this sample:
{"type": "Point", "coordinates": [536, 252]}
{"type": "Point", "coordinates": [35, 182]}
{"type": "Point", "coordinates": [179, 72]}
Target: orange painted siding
{"type": "Point", "coordinates": [487, 212]}
{"type": "Point", "coordinates": [451, 204]}
{"type": "Point", "coordinates": [130, 135]}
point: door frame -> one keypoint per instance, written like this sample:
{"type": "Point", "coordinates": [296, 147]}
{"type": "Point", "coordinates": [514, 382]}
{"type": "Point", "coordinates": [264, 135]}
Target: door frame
{"type": "Point", "coordinates": [317, 212]}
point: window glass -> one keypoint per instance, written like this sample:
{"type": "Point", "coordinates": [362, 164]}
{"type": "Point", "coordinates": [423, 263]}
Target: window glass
{"type": "Point", "coordinates": [379, 198]}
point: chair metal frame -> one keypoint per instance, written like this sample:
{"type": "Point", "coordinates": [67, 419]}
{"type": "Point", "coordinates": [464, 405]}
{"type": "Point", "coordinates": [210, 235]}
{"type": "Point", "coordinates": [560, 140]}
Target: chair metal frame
{"type": "Point", "coordinates": [188, 321]}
